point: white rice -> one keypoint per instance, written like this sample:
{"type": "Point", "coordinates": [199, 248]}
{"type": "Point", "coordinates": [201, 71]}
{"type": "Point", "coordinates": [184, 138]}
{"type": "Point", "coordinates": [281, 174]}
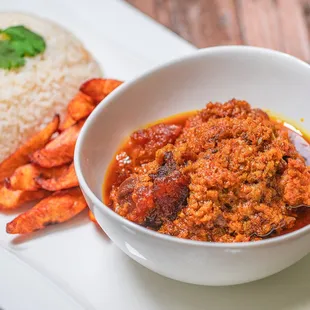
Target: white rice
{"type": "Point", "coordinates": [32, 94]}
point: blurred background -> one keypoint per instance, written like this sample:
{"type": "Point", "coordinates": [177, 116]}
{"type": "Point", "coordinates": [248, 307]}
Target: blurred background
{"type": "Point", "coordinates": [278, 24]}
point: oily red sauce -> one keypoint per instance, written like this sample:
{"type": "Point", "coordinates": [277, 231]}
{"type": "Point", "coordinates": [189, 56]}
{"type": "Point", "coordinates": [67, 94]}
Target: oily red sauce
{"type": "Point", "coordinates": [299, 139]}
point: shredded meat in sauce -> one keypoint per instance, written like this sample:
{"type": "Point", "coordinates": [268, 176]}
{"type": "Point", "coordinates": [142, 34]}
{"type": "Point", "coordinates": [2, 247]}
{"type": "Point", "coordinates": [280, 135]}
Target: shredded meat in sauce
{"type": "Point", "coordinates": [230, 174]}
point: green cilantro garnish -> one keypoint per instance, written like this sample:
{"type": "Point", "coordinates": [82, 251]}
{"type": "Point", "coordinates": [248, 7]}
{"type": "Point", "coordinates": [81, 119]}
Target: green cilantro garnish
{"type": "Point", "coordinates": [18, 43]}
{"type": "Point", "coordinates": [24, 41]}
{"type": "Point", "coordinates": [8, 57]}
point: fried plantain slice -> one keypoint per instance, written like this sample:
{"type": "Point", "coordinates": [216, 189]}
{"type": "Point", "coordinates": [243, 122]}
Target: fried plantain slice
{"type": "Point", "coordinates": [24, 177]}
{"type": "Point", "coordinates": [68, 122]}
{"type": "Point", "coordinates": [10, 200]}
{"type": "Point", "coordinates": [67, 179]}
{"type": "Point", "coordinates": [91, 216]}
{"type": "Point", "coordinates": [59, 151]}
{"type": "Point", "coordinates": [21, 155]}
{"type": "Point", "coordinates": [98, 89]}
{"type": "Point", "coordinates": [57, 208]}
{"type": "Point", "coordinates": [80, 106]}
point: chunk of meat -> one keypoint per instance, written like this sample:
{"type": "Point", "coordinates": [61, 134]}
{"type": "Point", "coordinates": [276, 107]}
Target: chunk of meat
{"type": "Point", "coordinates": [143, 198]}
{"type": "Point", "coordinates": [133, 199]}
{"type": "Point", "coordinates": [149, 200]}
{"type": "Point", "coordinates": [145, 142]}
{"type": "Point", "coordinates": [170, 196]}
{"type": "Point", "coordinates": [170, 190]}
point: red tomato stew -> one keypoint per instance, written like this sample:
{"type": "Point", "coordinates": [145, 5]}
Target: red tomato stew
{"type": "Point", "coordinates": [227, 173]}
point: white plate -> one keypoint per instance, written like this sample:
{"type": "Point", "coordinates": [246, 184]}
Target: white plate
{"type": "Point", "coordinates": [37, 289]}
{"type": "Point", "coordinates": [76, 259]}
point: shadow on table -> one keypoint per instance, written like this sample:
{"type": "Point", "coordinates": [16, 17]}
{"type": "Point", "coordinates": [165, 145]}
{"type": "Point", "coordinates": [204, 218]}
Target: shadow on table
{"type": "Point", "coordinates": [286, 290]}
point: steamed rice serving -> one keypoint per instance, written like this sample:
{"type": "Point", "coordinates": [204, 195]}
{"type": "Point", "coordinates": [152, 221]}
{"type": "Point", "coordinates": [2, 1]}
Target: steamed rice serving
{"type": "Point", "coordinates": [32, 94]}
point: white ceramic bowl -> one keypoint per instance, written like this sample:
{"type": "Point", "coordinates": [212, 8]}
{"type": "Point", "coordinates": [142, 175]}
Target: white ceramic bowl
{"type": "Point", "coordinates": [266, 79]}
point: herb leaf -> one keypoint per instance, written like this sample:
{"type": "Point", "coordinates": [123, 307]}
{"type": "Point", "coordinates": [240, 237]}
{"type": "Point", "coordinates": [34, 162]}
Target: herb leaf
{"type": "Point", "coordinates": [16, 43]}
{"type": "Point", "coordinates": [8, 57]}
{"type": "Point", "coordinates": [24, 41]}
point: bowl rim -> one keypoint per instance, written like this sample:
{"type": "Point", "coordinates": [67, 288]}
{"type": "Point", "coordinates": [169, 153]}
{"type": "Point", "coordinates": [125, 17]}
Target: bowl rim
{"type": "Point", "coordinates": [122, 89]}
